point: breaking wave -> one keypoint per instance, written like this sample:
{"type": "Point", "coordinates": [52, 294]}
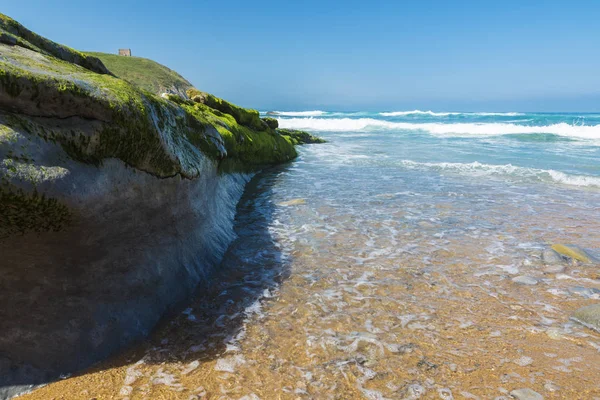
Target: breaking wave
{"type": "Point", "coordinates": [457, 129]}
{"type": "Point", "coordinates": [508, 170]}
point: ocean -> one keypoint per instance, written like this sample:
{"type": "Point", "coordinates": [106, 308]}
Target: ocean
{"type": "Point", "coordinates": [402, 259]}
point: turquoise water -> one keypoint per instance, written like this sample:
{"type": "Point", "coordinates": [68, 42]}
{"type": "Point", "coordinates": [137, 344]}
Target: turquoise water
{"type": "Point", "coordinates": [529, 147]}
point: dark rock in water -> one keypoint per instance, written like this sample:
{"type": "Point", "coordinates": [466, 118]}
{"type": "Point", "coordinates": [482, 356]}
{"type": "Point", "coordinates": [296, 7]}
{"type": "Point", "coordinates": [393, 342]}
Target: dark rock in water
{"type": "Point", "coordinates": [551, 257]}
{"type": "Point", "coordinates": [272, 113]}
{"type": "Point", "coordinates": [271, 122]}
{"type": "Point", "coordinates": [588, 316]}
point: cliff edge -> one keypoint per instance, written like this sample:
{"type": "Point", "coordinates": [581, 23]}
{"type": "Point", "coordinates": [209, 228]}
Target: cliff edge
{"type": "Point", "coordinates": [116, 202]}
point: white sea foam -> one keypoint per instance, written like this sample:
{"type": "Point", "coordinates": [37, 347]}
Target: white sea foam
{"type": "Point", "coordinates": [445, 114]}
{"type": "Point", "coordinates": [479, 169]}
{"type": "Point", "coordinates": [443, 129]}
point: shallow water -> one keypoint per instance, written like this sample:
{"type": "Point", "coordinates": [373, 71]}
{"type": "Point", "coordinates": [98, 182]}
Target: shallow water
{"type": "Point", "coordinates": [381, 264]}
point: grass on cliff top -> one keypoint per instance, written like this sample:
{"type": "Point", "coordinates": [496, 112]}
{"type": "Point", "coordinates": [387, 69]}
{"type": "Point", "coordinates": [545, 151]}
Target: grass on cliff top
{"type": "Point", "coordinates": [144, 73]}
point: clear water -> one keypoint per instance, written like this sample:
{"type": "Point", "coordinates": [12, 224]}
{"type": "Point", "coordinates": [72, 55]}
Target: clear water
{"type": "Point", "coordinates": [380, 265]}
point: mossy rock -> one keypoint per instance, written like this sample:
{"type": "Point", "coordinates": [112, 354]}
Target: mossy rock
{"type": "Point", "coordinates": [271, 122]}
{"type": "Point", "coordinates": [300, 137]}
{"type": "Point", "coordinates": [243, 116]}
{"type": "Point", "coordinates": [59, 96]}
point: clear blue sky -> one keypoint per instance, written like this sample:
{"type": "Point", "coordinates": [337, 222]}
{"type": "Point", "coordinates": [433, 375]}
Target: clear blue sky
{"type": "Point", "coordinates": [351, 55]}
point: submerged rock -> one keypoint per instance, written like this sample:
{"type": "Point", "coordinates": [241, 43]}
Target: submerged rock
{"type": "Point", "coordinates": [549, 256]}
{"type": "Point", "coordinates": [554, 269]}
{"type": "Point", "coordinates": [525, 280]}
{"type": "Point", "coordinates": [526, 394]}
{"type": "Point", "coordinates": [583, 291]}
{"type": "Point", "coordinates": [573, 252]}
{"type": "Point", "coordinates": [588, 316]}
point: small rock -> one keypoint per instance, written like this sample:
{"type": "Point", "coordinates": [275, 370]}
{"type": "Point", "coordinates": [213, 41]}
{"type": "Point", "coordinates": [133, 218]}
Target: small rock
{"type": "Point", "coordinates": [525, 280]}
{"type": "Point", "coordinates": [526, 394]}
{"type": "Point", "coordinates": [588, 316]}
{"type": "Point", "coordinates": [554, 269]}
{"type": "Point", "coordinates": [551, 257]}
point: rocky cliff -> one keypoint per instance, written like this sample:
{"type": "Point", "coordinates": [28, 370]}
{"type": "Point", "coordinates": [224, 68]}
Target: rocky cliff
{"type": "Point", "coordinates": [115, 202]}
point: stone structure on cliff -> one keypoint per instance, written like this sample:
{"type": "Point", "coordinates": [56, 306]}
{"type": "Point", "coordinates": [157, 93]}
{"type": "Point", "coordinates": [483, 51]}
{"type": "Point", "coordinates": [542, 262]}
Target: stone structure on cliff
{"type": "Point", "coordinates": [125, 52]}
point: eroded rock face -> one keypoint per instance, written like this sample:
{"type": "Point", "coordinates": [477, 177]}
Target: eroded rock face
{"type": "Point", "coordinates": [134, 246]}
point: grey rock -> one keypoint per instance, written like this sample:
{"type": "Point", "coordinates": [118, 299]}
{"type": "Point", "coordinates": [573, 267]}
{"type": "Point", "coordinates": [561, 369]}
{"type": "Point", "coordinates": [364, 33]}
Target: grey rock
{"type": "Point", "coordinates": [551, 257]}
{"type": "Point", "coordinates": [525, 280]}
{"type": "Point", "coordinates": [588, 316]}
{"type": "Point", "coordinates": [526, 394]}
{"type": "Point", "coordinates": [554, 269]}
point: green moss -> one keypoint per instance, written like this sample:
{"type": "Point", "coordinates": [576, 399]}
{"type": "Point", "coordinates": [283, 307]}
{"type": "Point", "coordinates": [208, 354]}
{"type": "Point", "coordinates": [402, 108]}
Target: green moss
{"type": "Point", "coordinates": [25, 212]}
{"type": "Point", "coordinates": [271, 122]}
{"type": "Point", "coordinates": [247, 117]}
{"type": "Point", "coordinates": [299, 137]}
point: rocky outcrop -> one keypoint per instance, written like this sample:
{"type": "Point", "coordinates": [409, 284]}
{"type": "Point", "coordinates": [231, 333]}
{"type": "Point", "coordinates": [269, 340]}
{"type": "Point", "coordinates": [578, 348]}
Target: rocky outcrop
{"type": "Point", "coordinates": [271, 122]}
{"type": "Point", "coordinates": [299, 137]}
{"type": "Point", "coordinates": [248, 118]}
{"type": "Point", "coordinates": [115, 204]}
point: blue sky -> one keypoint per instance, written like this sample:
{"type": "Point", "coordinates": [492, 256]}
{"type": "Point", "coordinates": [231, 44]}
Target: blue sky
{"type": "Point", "coordinates": [352, 55]}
